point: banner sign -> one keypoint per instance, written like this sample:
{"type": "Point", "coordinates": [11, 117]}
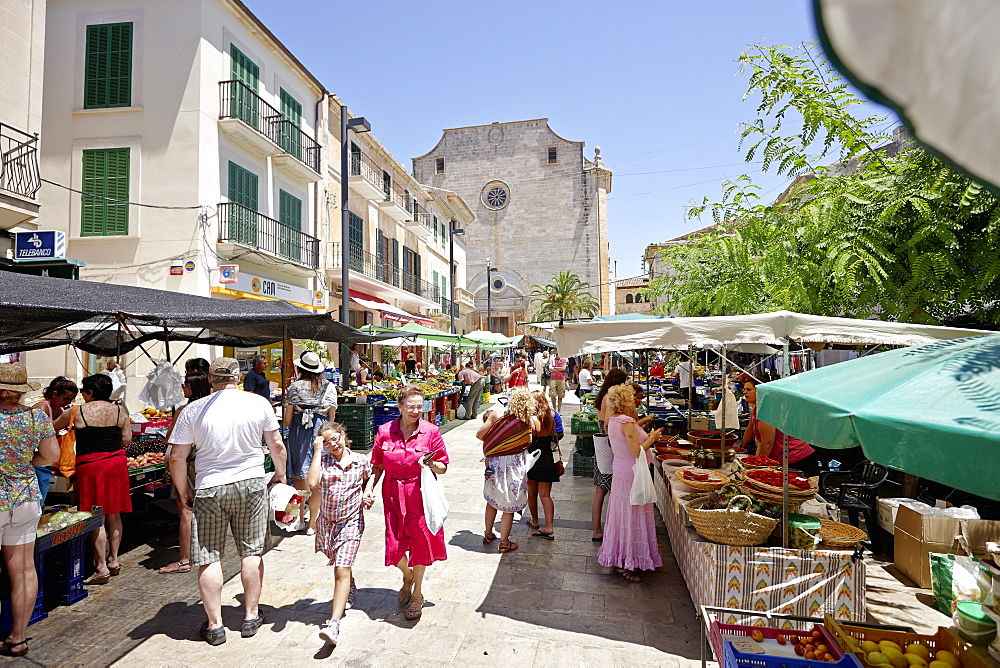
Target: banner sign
{"type": "Point", "coordinates": [47, 244]}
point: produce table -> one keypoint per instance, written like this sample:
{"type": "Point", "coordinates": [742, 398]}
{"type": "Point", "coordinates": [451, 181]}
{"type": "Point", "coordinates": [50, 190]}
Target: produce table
{"type": "Point", "coordinates": [763, 579]}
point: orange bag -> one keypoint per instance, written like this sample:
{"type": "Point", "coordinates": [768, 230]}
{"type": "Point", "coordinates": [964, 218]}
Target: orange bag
{"type": "Point", "coordinates": [67, 447]}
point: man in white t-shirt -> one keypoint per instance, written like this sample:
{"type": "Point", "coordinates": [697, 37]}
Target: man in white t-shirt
{"type": "Point", "coordinates": [230, 488]}
{"type": "Point", "coordinates": [685, 373]}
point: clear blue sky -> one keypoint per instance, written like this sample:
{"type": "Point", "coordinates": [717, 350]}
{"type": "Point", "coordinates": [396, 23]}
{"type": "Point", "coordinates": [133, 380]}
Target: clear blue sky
{"type": "Point", "coordinates": [654, 83]}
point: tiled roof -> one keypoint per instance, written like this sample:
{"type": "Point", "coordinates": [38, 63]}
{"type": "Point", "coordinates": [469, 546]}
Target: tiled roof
{"type": "Point", "coordinates": [638, 282]}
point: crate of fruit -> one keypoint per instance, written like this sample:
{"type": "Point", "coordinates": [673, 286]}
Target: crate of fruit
{"type": "Point", "coordinates": [741, 646]}
{"type": "Point", "coordinates": [894, 646]}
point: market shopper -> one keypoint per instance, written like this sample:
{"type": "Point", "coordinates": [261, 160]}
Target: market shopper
{"type": "Point", "coordinates": [311, 400]}
{"type": "Point", "coordinates": [557, 381]}
{"type": "Point", "coordinates": [409, 544]}
{"type": "Point", "coordinates": [629, 543]}
{"type": "Point", "coordinates": [770, 440]}
{"type": "Point", "coordinates": [26, 438]}
{"type": "Point", "coordinates": [255, 381]}
{"type": "Point", "coordinates": [60, 393]}
{"type": "Point", "coordinates": [585, 378]}
{"type": "Point", "coordinates": [230, 489]}
{"type": "Point", "coordinates": [518, 375]}
{"type": "Point", "coordinates": [506, 486]}
{"type": "Point", "coordinates": [475, 381]}
{"type": "Point", "coordinates": [341, 477]}
{"type": "Point", "coordinates": [543, 473]}
{"type": "Point", "coordinates": [196, 386]}
{"type": "Point", "coordinates": [602, 481]}
{"type": "Point", "coordinates": [103, 429]}
{"type": "Point", "coordinates": [362, 376]}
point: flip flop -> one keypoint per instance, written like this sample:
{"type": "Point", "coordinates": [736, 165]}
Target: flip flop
{"type": "Point", "coordinates": [541, 534]}
{"type": "Point", "coordinates": [176, 567]}
{"type": "Point", "coordinates": [530, 525]}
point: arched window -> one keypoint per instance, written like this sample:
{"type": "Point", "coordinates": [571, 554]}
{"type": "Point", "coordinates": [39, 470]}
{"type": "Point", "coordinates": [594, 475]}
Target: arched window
{"type": "Point", "coordinates": [628, 298]}
{"type": "Point", "coordinates": [647, 299]}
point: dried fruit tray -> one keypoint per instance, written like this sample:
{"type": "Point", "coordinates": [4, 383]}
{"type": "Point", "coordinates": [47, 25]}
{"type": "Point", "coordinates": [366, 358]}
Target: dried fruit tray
{"type": "Point", "coordinates": [971, 657]}
{"type": "Point", "coordinates": [729, 657]}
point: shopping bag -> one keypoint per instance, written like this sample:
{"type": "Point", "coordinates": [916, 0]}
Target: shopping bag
{"type": "Point", "coordinates": [286, 505]}
{"type": "Point", "coordinates": [604, 458]}
{"type": "Point", "coordinates": [642, 491]}
{"type": "Point", "coordinates": [435, 503]}
{"type": "Point", "coordinates": [163, 387]}
{"type": "Point", "coordinates": [956, 578]}
{"type": "Point", "coordinates": [67, 447]}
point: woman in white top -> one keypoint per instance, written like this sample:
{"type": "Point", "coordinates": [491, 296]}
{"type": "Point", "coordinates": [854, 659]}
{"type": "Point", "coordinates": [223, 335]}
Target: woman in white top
{"type": "Point", "coordinates": [586, 379]}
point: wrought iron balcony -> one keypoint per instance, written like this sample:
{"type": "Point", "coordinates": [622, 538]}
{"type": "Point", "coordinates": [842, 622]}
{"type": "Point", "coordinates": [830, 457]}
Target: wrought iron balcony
{"type": "Point", "coordinates": [239, 101]}
{"type": "Point", "coordinates": [19, 162]}
{"type": "Point", "coordinates": [371, 266]}
{"type": "Point", "coordinates": [246, 227]}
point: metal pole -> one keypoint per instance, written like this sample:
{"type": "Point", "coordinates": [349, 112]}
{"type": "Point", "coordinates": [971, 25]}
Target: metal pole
{"type": "Point", "coordinates": [725, 384]}
{"type": "Point", "coordinates": [284, 368]}
{"type": "Point", "coordinates": [345, 255]}
{"type": "Point", "coordinates": [451, 287]}
{"type": "Point", "coordinates": [784, 460]}
{"type": "Point", "coordinates": [489, 300]}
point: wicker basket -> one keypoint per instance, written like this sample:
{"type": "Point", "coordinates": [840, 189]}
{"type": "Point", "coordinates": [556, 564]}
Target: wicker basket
{"type": "Point", "coordinates": [730, 526]}
{"type": "Point", "coordinates": [772, 489]}
{"type": "Point", "coordinates": [704, 486]}
{"type": "Point", "coordinates": [838, 534]}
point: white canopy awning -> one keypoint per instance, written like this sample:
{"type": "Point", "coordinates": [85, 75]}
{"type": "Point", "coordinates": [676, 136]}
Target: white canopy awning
{"type": "Point", "coordinates": [762, 328]}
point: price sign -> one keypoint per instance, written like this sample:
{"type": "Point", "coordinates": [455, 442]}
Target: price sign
{"type": "Point", "coordinates": [744, 644]}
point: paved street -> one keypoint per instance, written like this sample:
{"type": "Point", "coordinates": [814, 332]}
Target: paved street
{"type": "Point", "coordinates": [548, 603]}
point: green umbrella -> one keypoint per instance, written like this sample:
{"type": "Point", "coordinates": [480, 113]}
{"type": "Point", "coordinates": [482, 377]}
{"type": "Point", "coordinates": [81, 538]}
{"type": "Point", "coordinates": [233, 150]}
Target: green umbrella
{"type": "Point", "coordinates": [930, 410]}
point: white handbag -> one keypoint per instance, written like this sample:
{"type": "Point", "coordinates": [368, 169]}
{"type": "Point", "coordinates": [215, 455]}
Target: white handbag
{"type": "Point", "coordinates": [603, 456]}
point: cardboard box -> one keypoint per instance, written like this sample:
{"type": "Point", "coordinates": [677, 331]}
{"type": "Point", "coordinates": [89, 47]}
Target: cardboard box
{"type": "Point", "coordinates": [699, 423]}
{"type": "Point", "coordinates": [887, 509]}
{"type": "Point", "coordinates": [916, 536]}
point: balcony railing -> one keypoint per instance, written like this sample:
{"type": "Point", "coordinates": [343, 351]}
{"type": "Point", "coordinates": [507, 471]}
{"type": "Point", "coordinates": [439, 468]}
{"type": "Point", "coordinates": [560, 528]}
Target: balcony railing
{"type": "Point", "coordinates": [243, 225]}
{"type": "Point", "coordinates": [242, 102]}
{"type": "Point", "coordinates": [399, 196]}
{"type": "Point", "coordinates": [19, 162]}
{"type": "Point", "coordinates": [363, 165]}
{"type": "Point", "coordinates": [369, 265]}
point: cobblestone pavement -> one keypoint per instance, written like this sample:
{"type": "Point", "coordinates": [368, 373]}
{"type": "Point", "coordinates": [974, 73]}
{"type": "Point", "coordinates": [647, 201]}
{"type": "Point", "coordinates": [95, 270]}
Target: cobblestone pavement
{"type": "Point", "coordinates": [548, 603]}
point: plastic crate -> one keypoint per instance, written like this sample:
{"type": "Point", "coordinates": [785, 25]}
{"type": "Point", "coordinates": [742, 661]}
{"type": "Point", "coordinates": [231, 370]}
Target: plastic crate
{"type": "Point", "coordinates": [38, 613]}
{"type": "Point", "coordinates": [585, 445]}
{"type": "Point", "coordinates": [732, 658]}
{"type": "Point", "coordinates": [355, 410]}
{"type": "Point", "coordinates": [388, 408]}
{"type": "Point", "coordinates": [583, 466]}
{"type": "Point", "coordinates": [970, 656]}
{"type": "Point", "coordinates": [583, 427]}
{"type": "Point", "coordinates": [64, 572]}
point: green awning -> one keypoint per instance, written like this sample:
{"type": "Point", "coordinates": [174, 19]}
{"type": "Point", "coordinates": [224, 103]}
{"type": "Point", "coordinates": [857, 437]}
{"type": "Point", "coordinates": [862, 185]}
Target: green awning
{"type": "Point", "coordinates": [53, 267]}
{"type": "Point", "coordinates": [930, 410]}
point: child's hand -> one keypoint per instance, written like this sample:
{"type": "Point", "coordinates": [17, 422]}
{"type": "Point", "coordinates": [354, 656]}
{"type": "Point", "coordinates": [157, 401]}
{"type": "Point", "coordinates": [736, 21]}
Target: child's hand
{"type": "Point", "coordinates": [317, 444]}
{"type": "Point", "coordinates": [367, 501]}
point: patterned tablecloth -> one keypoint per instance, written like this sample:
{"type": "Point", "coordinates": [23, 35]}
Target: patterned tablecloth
{"type": "Point", "coordinates": [763, 579]}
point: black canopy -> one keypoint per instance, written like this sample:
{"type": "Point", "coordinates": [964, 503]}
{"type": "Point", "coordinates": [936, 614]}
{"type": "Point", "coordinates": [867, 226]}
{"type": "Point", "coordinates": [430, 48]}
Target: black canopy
{"type": "Point", "coordinates": [105, 318]}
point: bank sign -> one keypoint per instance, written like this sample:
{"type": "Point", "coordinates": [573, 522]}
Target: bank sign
{"type": "Point", "coordinates": [266, 287]}
{"type": "Point", "coordinates": [41, 244]}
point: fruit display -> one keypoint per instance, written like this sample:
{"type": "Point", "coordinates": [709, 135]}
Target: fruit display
{"type": "Point", "coordinates": [814, 645]}
{"type": "Point", "coordinates": [759, 461]}
{"type": "Point", "coordinates": [897, 649]}
{"type": "Point", "coordinates": [701, 479]}
{"type": "Point", "coordinates": [720, 498]}
{"type": "Point", "coordinates": [146, 459]}
{"type": "Point", "coordinates": [775, 478]}
{"type": "Point", "coordinates": [153, 413]}
{"type": "Point", "coordinates": [60, 519]}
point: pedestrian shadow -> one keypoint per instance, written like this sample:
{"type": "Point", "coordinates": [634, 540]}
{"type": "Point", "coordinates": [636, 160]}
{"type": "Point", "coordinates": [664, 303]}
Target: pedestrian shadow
{"type": "Point", "coordinates": [471, 541]}
{"type": "Point", "coordinates": [182, 621]}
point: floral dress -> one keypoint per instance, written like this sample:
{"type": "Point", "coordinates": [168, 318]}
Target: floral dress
{"type": "Point", "coordinates": [21, 430]}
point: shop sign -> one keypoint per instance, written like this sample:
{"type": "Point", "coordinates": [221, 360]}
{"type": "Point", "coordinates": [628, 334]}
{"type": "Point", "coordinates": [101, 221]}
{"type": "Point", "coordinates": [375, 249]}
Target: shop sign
{"type": "Point", "coordinates": [321, 298]}
{"type": "Point", "coordinates": [228, 273]}
{"type": "Point", "coordinates": [46, 244]}
{"type": "Point", "coordinates": [267, 287]}
{"type": "Point", "coordinates": [189, 266]}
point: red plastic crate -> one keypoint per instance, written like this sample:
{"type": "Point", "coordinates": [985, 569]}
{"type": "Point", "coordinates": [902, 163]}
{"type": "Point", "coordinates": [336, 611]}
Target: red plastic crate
{"type": "Point", "coordinates": [731, 658]}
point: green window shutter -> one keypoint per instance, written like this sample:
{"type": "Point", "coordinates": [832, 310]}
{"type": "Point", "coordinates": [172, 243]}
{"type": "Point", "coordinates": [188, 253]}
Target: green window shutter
{"type": "Point", "coordinates": [290, 215]}
{"type": "Point", "coordinates": [243, 102]}
{"type": "Point", "coordinates": [387, 186]}
{"type": "Point", "coordinates": [290, 138]}
{"type": "Point", "coordinates": [242, 68]}
{"type": "Point", "coordinates": [290, 108]}
{"type": "Point", "coordinates": [356, 239]}
{"type": "Point", "coordinates": [395, 262]}
{"type": "Point", "coordinates": [108, 66]}
{"type": "Point", "coordinates": [407, 261]}
{"type": "Point", "coordinates": [436, 285]}
{"type": "Point", "coordinates": [105, 174]}
{"type": "Point", "coordinates": [242, 190]}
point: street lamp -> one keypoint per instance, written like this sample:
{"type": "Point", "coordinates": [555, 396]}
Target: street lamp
{"type": "Point", "coordinates": [489, 295]}
{"type": "Point", "coordinates": [357, 125]}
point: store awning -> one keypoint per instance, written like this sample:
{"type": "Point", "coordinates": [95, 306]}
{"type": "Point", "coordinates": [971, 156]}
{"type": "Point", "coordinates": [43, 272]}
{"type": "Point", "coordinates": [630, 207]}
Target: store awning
{"type": "Point", "coordinates": [387, 310]}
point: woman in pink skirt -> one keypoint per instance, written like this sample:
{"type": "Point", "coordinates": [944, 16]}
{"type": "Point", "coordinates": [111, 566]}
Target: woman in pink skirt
{"type": "Point", "coordinates": [629, 531]}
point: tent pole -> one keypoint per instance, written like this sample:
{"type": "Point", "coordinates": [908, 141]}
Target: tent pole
{"type": "Point", "coordinates": [784, 459]}
{"type": "Point", "coordinates": [722, 367]}
{"type": "Point", "coordinates": [166, 342]}
{"type": "Point", "coordinates": [284, 373]}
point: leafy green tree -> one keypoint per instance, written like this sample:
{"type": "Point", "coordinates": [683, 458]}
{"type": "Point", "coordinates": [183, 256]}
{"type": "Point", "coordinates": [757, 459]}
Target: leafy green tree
{"type": "Point", "coordinates": [567, 296]}
{"type": "Point", "coordinates": [893, 234]}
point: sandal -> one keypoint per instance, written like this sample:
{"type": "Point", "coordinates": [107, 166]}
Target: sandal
{"type": "Point", "coordinates": [628, 576]}
{"type": "Point", "coordinates": [405, 593]}
{"type": "Point", "coordinates": [489, 538]}
{"type": "Point", "coordinates": [98, 580]}
{"type": "Point", "coordinates": [414, 609]}
{"type": "Point", "coordinates": [542, 534]}
{"type": "Point", "coordinates": [530, 525]}
{"type": "Point", "coordinates": [115, 570]}
{"type": "Point", "coordinates": [176, 567]}
{"type": "Point", "coordinates": [7, 648]}
{"type": "Point", "coordinates": [506, 546]}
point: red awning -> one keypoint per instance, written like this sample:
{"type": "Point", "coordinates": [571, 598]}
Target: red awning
{"type": "Point", "coordinates": [387, 310]}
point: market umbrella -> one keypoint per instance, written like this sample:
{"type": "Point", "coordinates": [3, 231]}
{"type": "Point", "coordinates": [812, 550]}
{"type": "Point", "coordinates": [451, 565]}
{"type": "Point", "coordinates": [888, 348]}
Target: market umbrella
{"type": "Point", "coordinates": [933, 61]}
{"type": "Point", "coordinates": [930, 410]}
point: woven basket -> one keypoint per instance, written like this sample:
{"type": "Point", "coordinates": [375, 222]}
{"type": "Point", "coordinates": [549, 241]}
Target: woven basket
{"type": "Point", "coordinates": [838, 534]}
{"type": "Point", "coordinates": [772, 489]}
{"type": "Point", "coordinates": [731, 526]}
{"type": "Point", "coordinates": [704, 486]}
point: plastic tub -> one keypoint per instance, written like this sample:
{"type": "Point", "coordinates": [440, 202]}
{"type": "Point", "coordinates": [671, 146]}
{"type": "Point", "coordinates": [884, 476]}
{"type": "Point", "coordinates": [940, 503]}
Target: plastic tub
{"type": "Point", "coordinates": [982, 638]}
{"type": "Point", "coordinates": [803, 531]}
{"type": "Point", "coordinates": [970, 617]}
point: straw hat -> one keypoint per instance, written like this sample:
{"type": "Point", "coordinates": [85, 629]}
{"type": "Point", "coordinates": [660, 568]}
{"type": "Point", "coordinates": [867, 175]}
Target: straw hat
{"type": "Point", "coordinates": [15, 377]}
{"type": "Point", "coordinates": [309, 361]}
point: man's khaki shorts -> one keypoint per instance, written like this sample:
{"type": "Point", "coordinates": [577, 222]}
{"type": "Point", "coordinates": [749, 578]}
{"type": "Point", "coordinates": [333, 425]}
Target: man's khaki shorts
{"type": "Point", "coordinates": [557, 388]}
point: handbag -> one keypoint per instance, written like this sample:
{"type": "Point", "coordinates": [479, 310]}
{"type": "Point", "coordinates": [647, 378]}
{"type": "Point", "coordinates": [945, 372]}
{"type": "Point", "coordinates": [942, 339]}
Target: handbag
{"type": "Point", "coordinates": [560, 467]}
{"type": "Point", "coordinates": [67, 447]}
{"type": "Point", "coordinates": [604, 458]}
{"type": "Point", "coordinates": [642, 491]}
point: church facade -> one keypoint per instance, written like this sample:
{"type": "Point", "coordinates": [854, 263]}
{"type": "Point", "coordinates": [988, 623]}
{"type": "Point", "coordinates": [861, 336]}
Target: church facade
{"type": "Point", "coordinates": [540, 206]}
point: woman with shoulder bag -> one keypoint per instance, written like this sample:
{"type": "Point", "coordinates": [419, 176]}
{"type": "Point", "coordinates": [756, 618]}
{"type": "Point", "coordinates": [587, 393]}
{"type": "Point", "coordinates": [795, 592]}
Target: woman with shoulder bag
{"type": "Point", "coordinates": [545, 471]}
{"type": "Point", "coordinates": [311, 402]}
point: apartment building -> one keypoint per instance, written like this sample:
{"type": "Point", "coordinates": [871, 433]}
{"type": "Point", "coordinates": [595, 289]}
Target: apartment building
{"type": "Point", "coordinates": [401, 244]}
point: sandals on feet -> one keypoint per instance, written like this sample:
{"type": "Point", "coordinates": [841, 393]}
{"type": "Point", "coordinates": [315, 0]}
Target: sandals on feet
{"type": "Point", "coordinates": [489, 538]}
{"type": "Point", "coordinates": [176, 567]}
{"type": "Point", "coordinates": [506, 546]}
{"type": "Point", "coordinates": [7, 648]}
{"type": "Point", "coordinates": [541, 534]}
{"type": "Point", "coordinates": [530, 525]}
{"type": "Point", "coordinates": [414, 609]}
{"type": "Point", "coordinates": [628, 576]}
{"type": "Point", "coordinates": [405, 593]}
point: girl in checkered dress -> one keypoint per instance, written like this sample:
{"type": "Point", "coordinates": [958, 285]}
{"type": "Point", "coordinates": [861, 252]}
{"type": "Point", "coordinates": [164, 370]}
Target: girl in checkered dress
{"type": "Point", "coordinates": [342, 477]}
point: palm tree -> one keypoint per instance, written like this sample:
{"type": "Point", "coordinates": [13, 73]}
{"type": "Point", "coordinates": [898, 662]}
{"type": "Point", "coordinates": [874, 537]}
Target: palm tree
{"type": "Point", "coordinates": [565, 297]}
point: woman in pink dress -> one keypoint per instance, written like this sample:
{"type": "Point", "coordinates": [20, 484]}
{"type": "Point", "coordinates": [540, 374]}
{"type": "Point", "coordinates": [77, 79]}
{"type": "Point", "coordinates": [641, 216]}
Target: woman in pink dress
{"type": "Point", "coordinates": [399, 447]}
{"type": "Point", "coordinates": [629, 531]}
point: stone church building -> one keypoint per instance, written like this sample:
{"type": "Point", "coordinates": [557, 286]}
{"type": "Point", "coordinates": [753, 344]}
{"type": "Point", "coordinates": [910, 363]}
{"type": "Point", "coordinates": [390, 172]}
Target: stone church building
{"type": "Point", "coordinates": [541, 208]}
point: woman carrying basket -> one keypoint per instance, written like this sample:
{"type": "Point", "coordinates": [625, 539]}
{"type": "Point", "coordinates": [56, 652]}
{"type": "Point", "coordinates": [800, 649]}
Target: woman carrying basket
{"type": "Point", "coordinates": [505, 440]}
